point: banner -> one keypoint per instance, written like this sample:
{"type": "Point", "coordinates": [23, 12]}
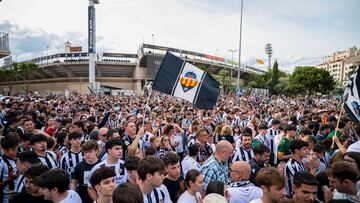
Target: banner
{"type": "Point", "coordinates": [181, 79]}
{"type": "Point", "coordinates": [351, 96]}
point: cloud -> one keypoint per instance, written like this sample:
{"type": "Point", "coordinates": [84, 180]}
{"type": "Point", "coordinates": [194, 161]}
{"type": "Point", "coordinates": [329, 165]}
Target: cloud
{"type": "Point", "coordinates": [300, 31]}
{"type": "Point", "coordinates": [26, 43]}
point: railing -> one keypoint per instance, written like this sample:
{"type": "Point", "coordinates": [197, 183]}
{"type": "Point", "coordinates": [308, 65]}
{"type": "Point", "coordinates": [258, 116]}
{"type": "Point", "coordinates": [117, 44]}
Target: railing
{"type": "Point", "coordinates": [4, 42]}
{"type": "Point", "coordinates": [195, 56]}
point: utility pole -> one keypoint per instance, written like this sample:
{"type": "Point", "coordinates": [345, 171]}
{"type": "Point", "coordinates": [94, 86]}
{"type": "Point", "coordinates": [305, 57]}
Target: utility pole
{"type": "Point", "coordinates": [238, 76]}
{"type": "Point", "coordinates": [92, 42]}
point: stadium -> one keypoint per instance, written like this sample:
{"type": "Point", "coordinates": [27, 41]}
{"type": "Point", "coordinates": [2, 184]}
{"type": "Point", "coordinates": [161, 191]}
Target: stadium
{"type": "Point", "coordinates": [114, 71]}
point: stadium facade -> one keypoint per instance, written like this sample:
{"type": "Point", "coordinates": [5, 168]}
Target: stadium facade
{"type": "Point", "coordinates": [114, 71]}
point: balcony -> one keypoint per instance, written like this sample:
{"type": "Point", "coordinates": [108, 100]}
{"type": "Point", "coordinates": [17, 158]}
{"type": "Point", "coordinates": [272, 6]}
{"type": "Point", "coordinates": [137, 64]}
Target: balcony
{"type": "Point", "coordinates": [4, 45]}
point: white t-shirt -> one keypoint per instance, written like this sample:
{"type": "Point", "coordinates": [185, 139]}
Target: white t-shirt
{"type": "Point", "coordinates": [256, 201]}
{"type": "Point", "coordinates": [355, 147]}
{"type": "Point", "coordinates": [189, 163]}
{"type": "Point", "coordinates": [186, 197]}
{"type": "Point", "coordinates": [180, 147]}
{"type": "Point", "coordinates": [72, 197]}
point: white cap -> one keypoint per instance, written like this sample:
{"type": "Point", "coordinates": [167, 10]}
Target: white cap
{"type": "Point", "coordinates": [214, 198]}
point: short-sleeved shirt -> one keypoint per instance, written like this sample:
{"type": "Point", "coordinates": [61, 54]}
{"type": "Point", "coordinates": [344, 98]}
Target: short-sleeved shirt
{"type": "Point", "coordinates": [189, 163]}
{"type": "Point", "coordinates": [214, 170]}
{"type": "Point", "coordinates": [81, 174]}
{"type": "Point", "coordinates": [331, 134]}
{"type": "Point", "coordinates": [119, 168]}
{"type": "Point", "coordinates": [72, 197]}
{"type": "Point", "coordinates": [284, 146]}
{"type": "Point", "coordinates": [158, 195]}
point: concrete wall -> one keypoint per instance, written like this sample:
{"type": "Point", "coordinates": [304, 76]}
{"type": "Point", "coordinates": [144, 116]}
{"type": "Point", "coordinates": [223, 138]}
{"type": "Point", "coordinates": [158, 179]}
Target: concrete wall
{"type": "Point", "coordinates": [60, 84]}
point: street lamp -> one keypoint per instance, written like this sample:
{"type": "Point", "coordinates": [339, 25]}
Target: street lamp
{"type": "Point", "coordinates": [47, 55]}
{"type": "Point", "coordinates": [269, 52]}
{"type": "Point", "coordinates": [232, 60]}
{"type": "Point", "coordinates": [238, 76]}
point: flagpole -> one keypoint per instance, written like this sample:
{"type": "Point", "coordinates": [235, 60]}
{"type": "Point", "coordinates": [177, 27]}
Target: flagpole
{"type": "Point", "coordinates": [147, 101]}
{"type": "Point", "coordinates": [337, 124]}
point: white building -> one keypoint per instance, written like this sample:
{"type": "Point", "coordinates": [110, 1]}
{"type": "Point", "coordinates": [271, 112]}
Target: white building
{"type": "Point", "coordinates": [340, 63]}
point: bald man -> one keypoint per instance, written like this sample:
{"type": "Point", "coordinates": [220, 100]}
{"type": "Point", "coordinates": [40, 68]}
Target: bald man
{"type": "Point", "coordinates": [240, 188]}
{"type": "Point", "coordinates": [216, 166]}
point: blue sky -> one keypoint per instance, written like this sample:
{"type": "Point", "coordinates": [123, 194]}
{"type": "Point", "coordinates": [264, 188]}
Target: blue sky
{"type": "Point", "coordinates": [301, 32]}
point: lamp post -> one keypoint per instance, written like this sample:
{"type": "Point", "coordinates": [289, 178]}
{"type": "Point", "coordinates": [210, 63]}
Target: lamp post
{"type": "Point", "coordinates": [232, 60]}
{"type": "Point", "coordinates": [153, 38]}
{"type": "Point", "coordinates": [238, 76]}
{"type": "Point", "coordinates": [47, 55]}
{"type": "Point", "coordinates": [269, 52]}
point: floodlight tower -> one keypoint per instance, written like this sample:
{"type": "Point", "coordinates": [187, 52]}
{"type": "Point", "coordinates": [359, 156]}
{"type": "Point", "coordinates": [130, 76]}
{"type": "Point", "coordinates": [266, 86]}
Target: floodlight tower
{"type": "Point", "coordinates": [269, 52]}
{"type": "Point", "coordinates": [92, 41]}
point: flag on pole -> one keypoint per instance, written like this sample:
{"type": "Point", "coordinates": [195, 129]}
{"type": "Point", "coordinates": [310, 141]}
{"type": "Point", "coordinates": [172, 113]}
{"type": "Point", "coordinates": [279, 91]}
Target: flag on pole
{"type": "Point", "coordinates": [351, 96]}
{"type": "Point", "coordinates": [259, 61]}
{"type": "Point", "coordinates": [181, 79]}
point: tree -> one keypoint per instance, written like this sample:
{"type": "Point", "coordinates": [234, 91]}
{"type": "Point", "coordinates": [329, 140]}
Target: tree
{"type": "Point", "coordinates": [9, 76]}
{"type": "Point", "coordinates": [262, 81]}
{"type": "Point", "coordinates": [25, 73]}
{"type": "Point", "coordinates": [275, 77]}
{"type": "Point", "coordinates": [18, 71]}
{"type": "Point", "coordinates": [282, 87]}
{"type": "Point", "coordinates": [226, 82]}
{"type": "Point", "coordinates": [310, 80]}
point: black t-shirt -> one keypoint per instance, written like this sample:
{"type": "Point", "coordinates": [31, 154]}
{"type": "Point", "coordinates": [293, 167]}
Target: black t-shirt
{"type": "Point", "coordinates": [81, 170]}
{"type": "Point", "coordinates": [255, 167]}
{"type": "Point", "coordinates": [26, 197]}
{"type": "Point", "coordinates": [173, 187]}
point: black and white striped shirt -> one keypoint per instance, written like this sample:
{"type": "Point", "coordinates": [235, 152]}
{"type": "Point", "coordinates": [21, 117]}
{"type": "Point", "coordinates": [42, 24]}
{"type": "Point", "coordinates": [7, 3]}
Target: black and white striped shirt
{"type": "Point", "coordinates": [242, 154]}
{"type": "Point", "coordinates": [2, 116]}
{"type": "Point", "coordinates": [161, 152]}
{"type": "Point", "coordinates": [119, 168]}
{"type": "Point", "coordinates": [49, 160]}
{"type": "Point", "coordinates": [218, 120]}
{"type": "Point", "coordinates": [63, 149]}
{"type": "Point", "coordinates": [69, 160]}
{"type": "Point", "coordinates": [326, 159]}
{"type": "Point", "coordinates": [7, 166]}
{"type": "Point", "coordinates": [158, 195]}
{"type": "Point", "coordinates": [235, 122]}
{"type": "Point", "coordinates": [113, 123]}
{"type": "Point", "coordinates": [273, 148]}
{"type": "Point", "coordinates": [19, 186]}
{"type": "Point", "coordinates": [291, 167]}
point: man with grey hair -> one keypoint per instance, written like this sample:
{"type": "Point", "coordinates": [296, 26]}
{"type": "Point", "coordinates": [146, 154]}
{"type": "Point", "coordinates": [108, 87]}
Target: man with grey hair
{"type": "Point", "coordinates": [216, 166]}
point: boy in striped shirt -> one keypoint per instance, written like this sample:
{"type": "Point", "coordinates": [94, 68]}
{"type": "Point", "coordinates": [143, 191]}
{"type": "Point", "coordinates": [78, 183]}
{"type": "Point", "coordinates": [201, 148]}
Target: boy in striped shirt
{"type": "Point", "coordinates": [74, 156]}
{"type": "Point", "coordinates": [299, 149]}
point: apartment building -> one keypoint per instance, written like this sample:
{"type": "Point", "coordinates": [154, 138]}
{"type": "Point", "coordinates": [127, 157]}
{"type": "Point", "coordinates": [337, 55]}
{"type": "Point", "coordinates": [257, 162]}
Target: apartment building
{"type": "Point", "coordinates": [340, 63]}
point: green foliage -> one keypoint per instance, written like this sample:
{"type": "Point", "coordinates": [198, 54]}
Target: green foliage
{"type": "Point", "coordinates": [262, 81]}
{"type": "Point", "coordinates": [18, 71]}
{"type": "Point", "coordinates": [275, 78]}
{"type": "Point", "coordinates": [226, 82]}
{"type": "Point", "coordinates": [310, 80]}
{"type": "Point", "coordinates": [282, 87]}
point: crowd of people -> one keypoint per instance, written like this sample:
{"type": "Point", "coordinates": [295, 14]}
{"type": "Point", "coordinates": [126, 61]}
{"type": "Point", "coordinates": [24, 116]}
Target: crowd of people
{"type": "Point", "coordinates": [160, 149]}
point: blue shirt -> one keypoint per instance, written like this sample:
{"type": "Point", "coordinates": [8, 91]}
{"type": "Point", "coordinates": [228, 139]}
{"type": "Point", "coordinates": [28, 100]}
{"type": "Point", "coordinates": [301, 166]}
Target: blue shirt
{"type": "Point", "coordinates": [213, 170]}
